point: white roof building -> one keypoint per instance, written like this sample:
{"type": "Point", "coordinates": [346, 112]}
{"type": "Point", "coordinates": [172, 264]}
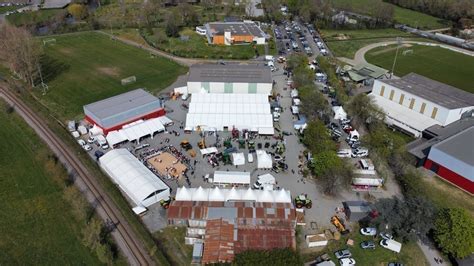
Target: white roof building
{"type": "Point", "coordinates": [140, 185]}
{"type": "Point", "coordinates": [233, 194]}
{"type": "Point", "coordinates": [231, 177]}
{"type": "Point", "coordinates": [414, 103]}
{"type": "Point", "coordinates": [135, 131]}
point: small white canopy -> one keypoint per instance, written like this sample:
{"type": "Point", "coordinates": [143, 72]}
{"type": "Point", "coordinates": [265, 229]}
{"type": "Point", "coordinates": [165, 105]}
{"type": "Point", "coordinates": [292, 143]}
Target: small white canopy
{"type": "Point", "coordinates": [95, 130]}
{"type": "Point", "coordinates": [209, 150]}
{"type": "Point", "coordinates": [339, 112]}
{"type": "Point", "coordinates": [181, 90]}
{"type": "Point", "coordinates": [295, 109]}
{"type": "Point", "coordinates": [264, 160]}
{"type": "Point", "coordinates": [238, 158]}
{"type": "Point", "coordinates": [232, 177]}
{"type": "Point", "coordinates": [294, 93]}
{"type": "Point", "coordinates": [296, 101]}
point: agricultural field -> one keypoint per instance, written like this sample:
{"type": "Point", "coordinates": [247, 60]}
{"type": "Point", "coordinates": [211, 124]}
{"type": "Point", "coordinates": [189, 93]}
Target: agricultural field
{"type": "Point", "coordinates": [37, 226]}
{"type": "Point", "coordinates": [437, 63]}
{"type": "Point", "coordinates": [401, 15]}
{"type": "Point", "coordinates": [196, 46]}
{"type": "Point", "coordinates": [410, 254]}
{"type": "Point", "coordinates": [345, 43]}
{"type": "Point", "coordinates": [87, 67]}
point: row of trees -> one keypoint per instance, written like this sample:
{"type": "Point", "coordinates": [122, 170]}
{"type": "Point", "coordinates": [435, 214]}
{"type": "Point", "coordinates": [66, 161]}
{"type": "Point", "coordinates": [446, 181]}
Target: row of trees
{"type": "Point", "coordinates": [454, 10]}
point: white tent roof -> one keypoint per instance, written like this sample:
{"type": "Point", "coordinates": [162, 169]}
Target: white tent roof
{"type": "Point", "coordinates": [266, 130]}
{"type": "Point", "coordinates": [231, 177]}
{"type": "Point", "coordinates": [238, 158]}
{"type": "Point", "coordinates": [137, 181]}
{"type": "Point", "coordinates": [339, 112]}
{"type": "Point", "coordinates": [295, 109]}
{"type": "Point", "coordinates": [264, 160]}
{"type": "Point", "coordinates": [219, 110]}
{"type": "Point", "coordinates": [135, 131]}
{"type": "Point", "coordinates": [165, 120]}
{"type": "Point", "coordinates": [233, 194]}
{"type": "Point", "coordinates": [209, 150]}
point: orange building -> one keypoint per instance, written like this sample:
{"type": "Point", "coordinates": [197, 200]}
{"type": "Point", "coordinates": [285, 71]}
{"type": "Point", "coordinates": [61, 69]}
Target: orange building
{"type": "Point", "coordinates": [228, 33]}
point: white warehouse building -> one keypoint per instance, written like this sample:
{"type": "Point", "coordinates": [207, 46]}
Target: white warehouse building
{"type": "Point", "coordinates": [142, 187]}
{"type": "Point", "coordinates": [236, 79]}
{"type": "Point", "coordinates": [414, 102]}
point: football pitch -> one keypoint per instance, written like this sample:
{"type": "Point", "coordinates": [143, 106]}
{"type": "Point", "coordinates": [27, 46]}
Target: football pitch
{"type": "Point", "coordinates": [86, 67]}
{"type": "Point", "coordinates": [437, 63]}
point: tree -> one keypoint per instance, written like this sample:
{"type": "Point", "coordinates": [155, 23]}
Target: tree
{"type": "Point", "coordinates": [454, 232]}
{"type": "Point", "coordinates": [406, 219]}
{"type": "Point", "coordinates": [21, 51]}
{"type": "Point", "coordinates": [188, 15]}
{"type": "Point", "coordinates": [171, 26]}
{"type": "Point", "coordinates": [313, 103]}
{"type": "Point", "coordinates": [303, 76]}
{"type": "Point", "coordinates": [364, 110]}
{"type": "Point", "coordinates": [336, 176]}
{"type": "Point", "coordinates": [78, 11]}
{"type": "Point", "coordinates": [295, 60]}
{"type": "Point", "coordinates": [284, 256]}
{"type": "Point", "coordinates": [317, 139]}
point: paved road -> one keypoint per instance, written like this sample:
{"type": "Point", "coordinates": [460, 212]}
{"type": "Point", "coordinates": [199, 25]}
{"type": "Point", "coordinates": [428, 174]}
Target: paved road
{"type": "Point", "coordinates": [360, 54]}
{"type": "Point", "coordinates": [431, 253]}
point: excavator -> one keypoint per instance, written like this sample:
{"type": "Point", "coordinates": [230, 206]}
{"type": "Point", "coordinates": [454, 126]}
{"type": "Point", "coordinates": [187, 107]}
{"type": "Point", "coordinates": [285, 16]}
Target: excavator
{"type": "Point", "coordinates": [186, 145]}
{"type": "Point", "coordinates": [336, 221]}
{"type": "Point", "coordinates": [303, 201]}
{"type": "Point", "coordinates": [202, 143]}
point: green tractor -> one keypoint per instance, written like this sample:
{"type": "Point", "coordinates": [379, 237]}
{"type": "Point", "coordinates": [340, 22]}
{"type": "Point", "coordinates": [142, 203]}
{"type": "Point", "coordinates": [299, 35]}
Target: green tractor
{"type": "Point", "coordinates": [280, 148]}
{"type": "Point", "coordinates": [228, 143]}
{"type": "Point", "coordinates": [166, 203]}
{"type": "Point", "coordinates": [241, 144]}
{"type": "Point", "coordinates": [303, 201]}
{"type": "Point", "coordinates": [226, 159]}
{"type": "Point", "coordinates": [251, 146]}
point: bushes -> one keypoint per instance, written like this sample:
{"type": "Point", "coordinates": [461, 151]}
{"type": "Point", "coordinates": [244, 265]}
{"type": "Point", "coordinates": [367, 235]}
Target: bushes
{"type": "Point", "coordinates": [454, 232]}
{"type": "Point", "coordinates": [274, 257]}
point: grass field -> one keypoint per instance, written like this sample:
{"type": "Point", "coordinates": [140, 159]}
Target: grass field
{"type": "Point", "coordinates": [4, 9]}
{"type": "Point", "coordinates": [87, 67]}
{"type": "Point", "coordinates": [356, 39]}
{"type": "Point", "coordinates": [433, 62]}
{"type": "Point", "coordinates": [28, 18]}
{"type": "Point", "coordinates": [410, 254]}
{"type": "Point", "coordinates": [197, 47]}
{"type": "Point", "coordinates": [401, 15]}
{"type": "Point", "coordinates": [36, 224]}
{"type": "Point", "coordinates": [172, 241]}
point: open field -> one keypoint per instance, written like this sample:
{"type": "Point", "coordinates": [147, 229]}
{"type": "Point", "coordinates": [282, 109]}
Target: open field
{"type": "Point", "coordinates": [37, 225]}
{"type": "Point", "coordinates": [172, 241]}
{"type": "Point", "coordinates": [28, 18]}
{"type": "Point", "coordinates": [345, 43]}
{"type": "Point", "coordinates": [436, 63]}
{"type": "Point", "coordinates": [197, 47]}
{"type": "Point", "coordinates": [410, 254]}
{"type": "Point", "coordinates": [87, 67]}
{"type": "Point", "coordinates": [401, 15]}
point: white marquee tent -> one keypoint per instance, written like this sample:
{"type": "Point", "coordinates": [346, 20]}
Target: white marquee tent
{"type": "Point", "coordinates": [231, 177]}
{"type": "Point", "coordinates": [264, 160]}
{"type": "Point", "coordinates": [339, 112]}
{"type": "Point", "coordinates": [135, 131]}
{"type": "Point", "coordinates": [139, 184]}
{"type": "Point", "coordinates": [233, 194]}
{"type": "Point", "coordinates": [238, 158]}
{"type": "Point", "coordinates": [209, 150]}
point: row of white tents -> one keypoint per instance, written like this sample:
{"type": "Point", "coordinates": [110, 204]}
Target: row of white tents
{"type": "Point", "coordinates": [138, 129]}
{"type": "Point", "coordinates": [233, 194]}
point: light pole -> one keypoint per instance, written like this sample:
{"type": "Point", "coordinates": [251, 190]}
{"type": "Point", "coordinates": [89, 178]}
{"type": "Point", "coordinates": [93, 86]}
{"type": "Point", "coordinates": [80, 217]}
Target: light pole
{"type": "Point", "coordinates": [399, 42]}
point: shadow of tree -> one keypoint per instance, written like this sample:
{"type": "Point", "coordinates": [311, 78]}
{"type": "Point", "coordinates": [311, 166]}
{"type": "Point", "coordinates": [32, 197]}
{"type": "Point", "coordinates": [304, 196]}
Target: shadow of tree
{"type": "Point", "coordinates": [51, 68]}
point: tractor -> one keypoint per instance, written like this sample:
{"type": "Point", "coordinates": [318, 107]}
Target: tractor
{"type": "Point", "coordinates": [280, 148]}
{"type": "Point", "coordinates": [166, 203]}
{"type": "Point", "coordinates": [186, 145]}
{"type": "Point", "coordinates": [235, 133]}
{"type": "Point", "coordinates": [226, 158]}
{"type": "Point", "coordinates": [228, 143]}
{"type": "Point", "coordinates": [303, 201]}
{"type": "Point", "coordinates": [202, 144]}
{"type": "Point", "coordinates": [251, 146]}
{"type": "Point", "coordinates": [241, 144]}
{"type": "Point", "coordinates": [336, 221]}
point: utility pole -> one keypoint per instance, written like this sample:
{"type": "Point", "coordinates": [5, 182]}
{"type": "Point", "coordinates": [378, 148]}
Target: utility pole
{"type": "Point", "coordinates": [399, 43]}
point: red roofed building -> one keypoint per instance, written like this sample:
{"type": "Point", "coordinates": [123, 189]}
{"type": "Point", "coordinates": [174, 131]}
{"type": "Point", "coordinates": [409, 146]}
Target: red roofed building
{"type": "Point", "coordinates": [218, 242]}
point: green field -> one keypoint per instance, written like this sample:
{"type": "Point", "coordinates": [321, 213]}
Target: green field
{"type": "Point", "coordinates": [37, 226]}
{"type": "Point", "coordinates": [87, 67]}
{"type": "Point", "coordinates": [345, 43]}
{"type": "Point", "coordinates": [436, 63]}
{"type": "Point", "coordinates": [29, 18]}
{"type": "Point", "coordinates": [401, 15]}
{"type": "Point", "coordinates": [197, 47]}
{"type": "Point", "coordinates": [4, 9]}
{"type": "Point", "coordinates": [410, 254]}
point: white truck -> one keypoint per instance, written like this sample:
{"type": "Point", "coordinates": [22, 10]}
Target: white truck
{"type": "Point", "coordinates": [391, 245]}
{"type": "Point", "coordinates": [102, 141]}
{"type": "Point", "coordinates": [265, 182]}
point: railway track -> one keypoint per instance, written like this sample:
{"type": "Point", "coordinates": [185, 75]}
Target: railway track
{"type": "Point", "coordinates": [132, 248]}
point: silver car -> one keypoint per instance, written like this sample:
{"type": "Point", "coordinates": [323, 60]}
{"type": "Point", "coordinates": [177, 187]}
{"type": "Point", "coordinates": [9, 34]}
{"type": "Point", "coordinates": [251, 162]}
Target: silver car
{"type": "Point", "coordinates": [343, 253]}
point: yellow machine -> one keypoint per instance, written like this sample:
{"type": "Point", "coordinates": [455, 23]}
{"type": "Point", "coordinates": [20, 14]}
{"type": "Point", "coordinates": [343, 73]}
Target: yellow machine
{"type": "Point", "coordinates": [192, 153]}
{"type": "Point", "coordinates": [336, 221]}
{"type": "Point", "coordinates": [202, 144]}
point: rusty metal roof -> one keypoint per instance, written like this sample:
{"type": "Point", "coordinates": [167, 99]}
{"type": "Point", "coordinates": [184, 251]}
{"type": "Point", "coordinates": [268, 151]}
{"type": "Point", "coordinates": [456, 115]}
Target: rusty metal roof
{"type": "Point", "coordinates": [218, 242]}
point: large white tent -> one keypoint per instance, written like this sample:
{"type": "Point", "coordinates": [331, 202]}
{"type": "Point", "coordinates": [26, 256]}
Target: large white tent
{"type": "Point", "coordinates": [264, 160]}
{"type": "Point", "coordinates": [139, 184]}
{"type": "Point", "coordinates": [220, 111]}
{"type": "Point", "coordinates": [231, 177]}
{"type": "Point", "coordinates": [339, 112]}
{"type": "Point", "coordinates": [232, 194]}
{"type": "Point", "coordinates": [238, 158]}
{"type": "Point", "coordinates": [135, 131]}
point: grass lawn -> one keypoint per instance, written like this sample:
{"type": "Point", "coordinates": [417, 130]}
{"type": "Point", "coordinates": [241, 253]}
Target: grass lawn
{"type": "Point", "coordinates": [345, 43]}
{"type": "Point", "coordinates": [36, 224]}
{"type": "Point", "coordinates": [436, 63]}
{"type": "Point", "coordinates": [197, 47]}
{"type": "Point", "coordinates": [401, 15]}
{"type": "Point", "coordinates": [5, 9]}
{"type": "Point", "coordinates": [410, 254]}
{"type": "Point", "coordinates": [28, 18]}
{"type": "Point", "coordinates": [172, 240]}
{"type": "Point", "coordinates": [87, 67]}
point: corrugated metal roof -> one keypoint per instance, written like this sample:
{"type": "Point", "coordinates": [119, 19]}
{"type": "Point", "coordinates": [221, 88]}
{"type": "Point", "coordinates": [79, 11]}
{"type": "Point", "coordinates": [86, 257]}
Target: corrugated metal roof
{"type": "Point", "coordinates": [230, 73]}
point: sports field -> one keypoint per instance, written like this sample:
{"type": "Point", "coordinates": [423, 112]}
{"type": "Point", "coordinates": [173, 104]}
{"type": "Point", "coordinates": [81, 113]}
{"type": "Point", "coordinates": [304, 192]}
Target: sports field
{"type": "Point", "coordinates": [440, 64]}
{"type": "Point", "coordinates": [401, 15]}
{"type": "Point", "coordinates": [86, 67]}
{"type": "Point", "coordinates": [36, 224]}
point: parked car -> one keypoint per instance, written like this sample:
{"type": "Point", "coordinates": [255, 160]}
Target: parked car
{"type": "Point", "coordinates": [81, 142]}
{"type": "Point", "coordinates": [91, 140]}
{"type": "Point", "coordinates": [367, 245]}
{"type": "Point", "coordinates": [347, 262]}
{"type": "Point", "coordinates": [368, 231]}
{"type": "Point", "coordinates": [347, 128]}
{"type": "Point", "coordinates": [344, 153]}
{"type": "Point", "coordinates": [395, 264]}
{"type": "Point", "coordinates": [343, 253]}
{"type": "Point", "coordinates": [359, 152]}
{"type": "Point", "coordinates": [385, 235]}
{"type": "Point", "coordinates": [345, 121]}
{"type": "Point", "coordinates": [87, 147]}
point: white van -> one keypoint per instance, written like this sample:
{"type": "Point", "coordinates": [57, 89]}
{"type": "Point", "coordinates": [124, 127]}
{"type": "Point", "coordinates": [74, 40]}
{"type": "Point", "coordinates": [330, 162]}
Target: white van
{"type": "Point", "coordinates": [344, 153]}
{"type": "Point", "coordinates": [269, 58]}
{"type": "Point", "coordinates": [250, 158]}
{"type": "Point", "coordinates": [391, 245]}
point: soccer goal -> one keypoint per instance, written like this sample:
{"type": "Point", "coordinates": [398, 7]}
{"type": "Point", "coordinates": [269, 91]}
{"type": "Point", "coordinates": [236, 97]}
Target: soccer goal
{"type": "Point", "coordinates": [407, 52]}
{"type": "Point", "coordinates": [49, 41]}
